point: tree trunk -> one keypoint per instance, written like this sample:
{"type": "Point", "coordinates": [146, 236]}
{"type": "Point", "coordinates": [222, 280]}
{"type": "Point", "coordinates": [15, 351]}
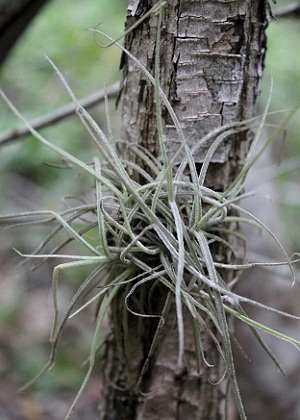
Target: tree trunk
{"type": "Point", "coordinates": [212, 56]}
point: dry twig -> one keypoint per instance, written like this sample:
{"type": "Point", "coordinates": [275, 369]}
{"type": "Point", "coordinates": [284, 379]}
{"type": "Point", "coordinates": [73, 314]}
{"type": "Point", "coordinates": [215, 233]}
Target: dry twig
{"type": "Point", "coordinates": [60, 113]}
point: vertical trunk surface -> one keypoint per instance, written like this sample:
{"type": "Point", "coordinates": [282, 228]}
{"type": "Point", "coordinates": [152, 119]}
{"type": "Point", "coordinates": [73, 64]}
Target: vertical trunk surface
{"type": "Point", "coordinates": [211, 61]}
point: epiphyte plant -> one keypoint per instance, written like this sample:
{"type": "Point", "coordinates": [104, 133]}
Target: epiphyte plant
{"type": "Point", "coordinates": [156, 230]}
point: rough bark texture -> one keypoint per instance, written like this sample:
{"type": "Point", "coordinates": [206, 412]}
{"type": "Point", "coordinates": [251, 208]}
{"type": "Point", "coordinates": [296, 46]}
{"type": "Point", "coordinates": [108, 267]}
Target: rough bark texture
{"type": "Point", "coordinates": [15, 15]}
{"type": "Point", "coordinates": [165, 392]}
{"type": "Point", "coordinates": [211, 62]}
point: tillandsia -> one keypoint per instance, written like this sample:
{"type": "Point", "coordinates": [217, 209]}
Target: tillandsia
{"type": "Point", "coordinates": [157, 230]}
{"type": "Point", "coordinates": [151, 232]}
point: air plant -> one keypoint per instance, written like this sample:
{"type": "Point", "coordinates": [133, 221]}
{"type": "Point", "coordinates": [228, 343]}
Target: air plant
{"type": "Point", "coordinates": [159, 228]}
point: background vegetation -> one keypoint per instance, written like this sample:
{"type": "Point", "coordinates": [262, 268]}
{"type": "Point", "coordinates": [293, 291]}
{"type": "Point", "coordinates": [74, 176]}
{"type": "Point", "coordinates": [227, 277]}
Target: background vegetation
{"type": "Point", "coordinates": [27, 183]}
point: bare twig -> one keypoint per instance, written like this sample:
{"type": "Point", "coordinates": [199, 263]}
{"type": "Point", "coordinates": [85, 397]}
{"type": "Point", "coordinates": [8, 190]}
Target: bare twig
{"type": "Point", "coordinates": [60, 113]}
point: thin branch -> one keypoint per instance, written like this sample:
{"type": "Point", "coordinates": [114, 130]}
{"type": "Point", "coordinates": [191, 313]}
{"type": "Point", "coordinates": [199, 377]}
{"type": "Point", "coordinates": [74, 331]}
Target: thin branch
{"type": "Point", "coordinates": [291, 10]}
{"type": "Point", "coordinates": [60, 113]}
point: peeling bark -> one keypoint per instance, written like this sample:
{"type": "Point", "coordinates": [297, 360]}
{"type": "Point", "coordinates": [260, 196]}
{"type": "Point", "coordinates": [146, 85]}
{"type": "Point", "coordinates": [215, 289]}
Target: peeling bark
{"type": "Point", "coordinates": [211, 62]}
{"type": "Point", "coordinates": [212, 56]}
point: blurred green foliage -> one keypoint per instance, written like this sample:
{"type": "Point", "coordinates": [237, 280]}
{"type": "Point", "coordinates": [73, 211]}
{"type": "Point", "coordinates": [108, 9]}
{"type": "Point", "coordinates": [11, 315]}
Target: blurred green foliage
{"type": "Point", "coordinates": [283, 65]}
{"type": "Point", "coordinates": [60, 32]}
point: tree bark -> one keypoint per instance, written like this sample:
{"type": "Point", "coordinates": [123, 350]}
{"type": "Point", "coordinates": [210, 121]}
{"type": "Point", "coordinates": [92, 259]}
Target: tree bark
{"type": "Point", "coordinates": [212, 56]}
